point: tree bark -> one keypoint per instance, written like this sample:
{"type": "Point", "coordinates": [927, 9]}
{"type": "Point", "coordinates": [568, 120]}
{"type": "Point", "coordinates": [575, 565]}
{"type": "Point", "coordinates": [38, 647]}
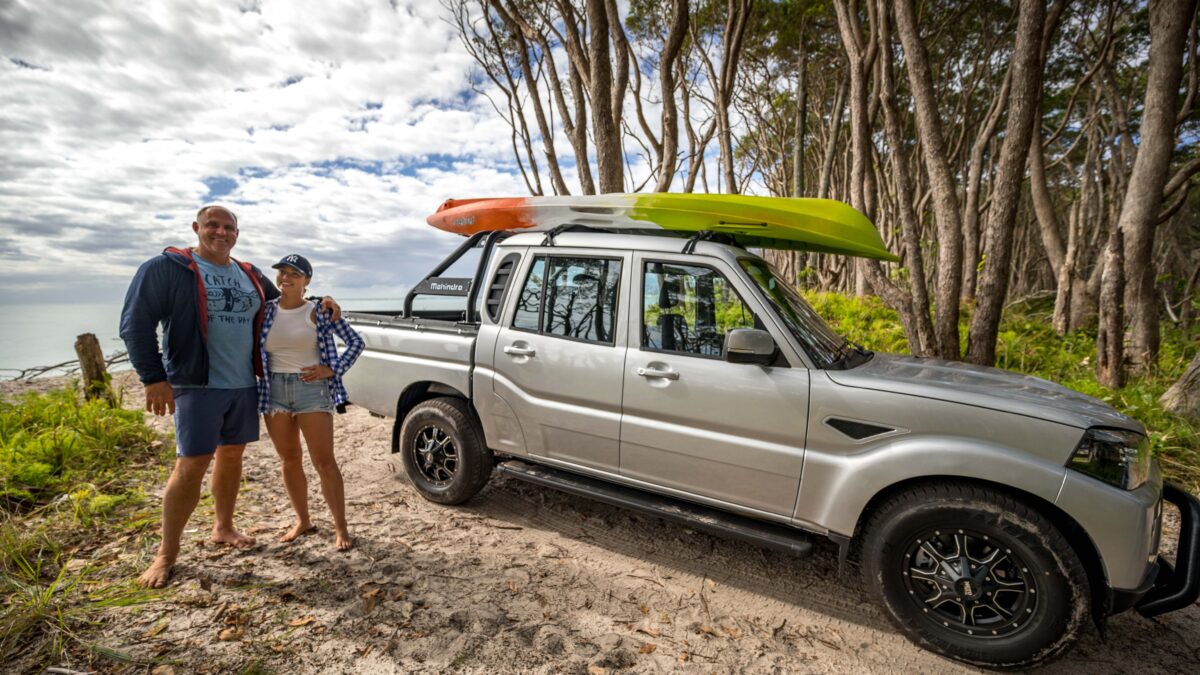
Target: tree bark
{"type": "Point", "coordinates": [1110, 341]}
{"type": "Point", "coordinates": [1022, 111]}
{"type": "Point", "coordinates": [610, 160]}
{"type": "Point", "coordinates": [1169, 22]}
{"type": "Point", "coordinates": [941, 181]}
{"type": "Point", "coordinates": [1183, 398]}
{"type": "Point", "coordinates": [666, 77]}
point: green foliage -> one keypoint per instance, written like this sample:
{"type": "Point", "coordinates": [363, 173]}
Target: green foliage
{"type": "Point", "coordinates": [68, 468]}
{"type": "Point", "coordinates": [865, 321]}
{"type": "Point", "coordinates": [1028, 344]}
{"type": "Point", "coordinates": [52, 444]}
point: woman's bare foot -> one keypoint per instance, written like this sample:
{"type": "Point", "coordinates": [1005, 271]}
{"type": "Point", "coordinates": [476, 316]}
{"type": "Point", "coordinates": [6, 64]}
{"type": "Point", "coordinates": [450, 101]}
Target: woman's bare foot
{"type": "Point", "coordinates": [343, 542]}
{"type": "Point", "coordinates": [157, 574]}
{"type": "Point", "coordinates": [232, 538]}
{"type": "Point", "coordinates": [298, 529]}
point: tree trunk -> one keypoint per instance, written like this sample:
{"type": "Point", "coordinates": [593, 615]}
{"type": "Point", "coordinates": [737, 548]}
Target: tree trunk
{"type": "Point", "coordinates": [1183, 398]}
{"type": "Point", "coordinates": [941, 181]}
{"type": "Point", "coordinates": [1169, 22]}
{"type": "Point", "coordinates": [666, 76]}
{"type": "Point", "coordinates": [1110, 340]}
{"type": "Point", "coordinates": [610, 160]}
{"type": "Point", "coordinates": [1022, 111]}
{"type": "Point", "coordinates": [835, 127]}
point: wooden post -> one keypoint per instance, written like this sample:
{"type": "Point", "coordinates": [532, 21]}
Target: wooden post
{"type": "Point", "coordinates": [91, 364]}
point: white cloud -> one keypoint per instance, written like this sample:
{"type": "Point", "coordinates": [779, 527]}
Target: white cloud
{"type": "Point", "coordinates": [332, 128]}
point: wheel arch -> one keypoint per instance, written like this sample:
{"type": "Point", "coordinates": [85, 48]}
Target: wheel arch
{"type": "Point", "coordinates": [416, 393]}
{"type": "Point", "coordinates": [1071, 530]}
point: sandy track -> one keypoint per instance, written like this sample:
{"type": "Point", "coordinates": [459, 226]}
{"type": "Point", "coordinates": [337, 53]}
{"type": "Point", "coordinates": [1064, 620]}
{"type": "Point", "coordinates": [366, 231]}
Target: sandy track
{"type": "Point", "coordinates": [527, 579]}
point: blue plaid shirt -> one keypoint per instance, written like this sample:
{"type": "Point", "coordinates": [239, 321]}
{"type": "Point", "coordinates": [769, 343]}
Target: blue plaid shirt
{"type": "Point", "coordinates": [326, 350]}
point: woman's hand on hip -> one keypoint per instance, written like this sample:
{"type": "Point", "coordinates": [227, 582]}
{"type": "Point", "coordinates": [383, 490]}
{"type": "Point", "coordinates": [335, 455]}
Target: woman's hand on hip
{"type": "Point", "coordinates": [314, 373]}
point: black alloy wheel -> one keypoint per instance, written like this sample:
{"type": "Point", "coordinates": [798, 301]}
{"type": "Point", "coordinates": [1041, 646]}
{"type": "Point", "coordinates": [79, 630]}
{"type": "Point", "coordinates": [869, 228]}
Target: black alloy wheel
{"type": "Point", "coordinates": [975, 574]}
{"type": "Point", "coordinates": [963, 581]}
{"type": "Point", "coordinates": [436, 455]}
{"type": "Point", "coordinates": [443, 451]}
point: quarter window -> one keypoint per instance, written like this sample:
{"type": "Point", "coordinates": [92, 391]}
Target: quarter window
{"type": "Point", "coordinates": [570, 297]}
{"type": "Point", "coordinates": [689, 309]}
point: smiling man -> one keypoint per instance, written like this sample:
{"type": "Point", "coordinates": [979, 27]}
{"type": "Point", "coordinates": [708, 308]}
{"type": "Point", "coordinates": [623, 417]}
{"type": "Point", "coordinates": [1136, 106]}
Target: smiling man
{"type": "Point", "coordinates": [210, 309]}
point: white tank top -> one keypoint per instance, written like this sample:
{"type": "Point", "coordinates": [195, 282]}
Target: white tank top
{"type": "Point", "coordinates": [292, 341]}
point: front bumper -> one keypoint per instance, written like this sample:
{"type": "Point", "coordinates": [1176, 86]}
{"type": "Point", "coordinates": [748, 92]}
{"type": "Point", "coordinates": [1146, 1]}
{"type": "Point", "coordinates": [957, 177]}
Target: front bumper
{"type": "Point", "coordinates": [1175, 586]}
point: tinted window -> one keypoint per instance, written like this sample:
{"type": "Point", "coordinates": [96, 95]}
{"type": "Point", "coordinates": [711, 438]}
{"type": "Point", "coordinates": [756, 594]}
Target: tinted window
{"type": "Point", "coordinates": [570, 297]}
{"type": "Point", "coordinates": [689, 309]}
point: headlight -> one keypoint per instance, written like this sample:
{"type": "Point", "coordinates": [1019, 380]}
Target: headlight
{"type": "Point", "coordinates": [1115, 456]}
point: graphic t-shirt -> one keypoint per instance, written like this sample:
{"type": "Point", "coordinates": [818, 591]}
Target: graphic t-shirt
{"type": "Point", "coordinates": [232, 304]}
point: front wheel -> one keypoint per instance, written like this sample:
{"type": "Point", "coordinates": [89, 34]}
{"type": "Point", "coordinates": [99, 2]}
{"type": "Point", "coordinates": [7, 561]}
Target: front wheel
{"type": "Point", "coordinates": [976, 575]}
{"type": "Point", "coordinates": [443, 451]}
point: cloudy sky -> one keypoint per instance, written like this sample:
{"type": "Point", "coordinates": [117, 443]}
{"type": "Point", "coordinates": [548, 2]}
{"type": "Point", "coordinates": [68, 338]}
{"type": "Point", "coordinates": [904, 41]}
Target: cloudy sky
{"type": "Point", "coordinates": [332, 128]}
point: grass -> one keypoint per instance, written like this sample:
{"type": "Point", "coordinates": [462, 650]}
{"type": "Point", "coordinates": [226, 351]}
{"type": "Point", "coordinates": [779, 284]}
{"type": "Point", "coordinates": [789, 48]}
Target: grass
{"type": "Point", "coordinates": [45, 613]}
{"type": "Point", "coordinates": [53, 445]}
{"type": "Point", "coordinates": [71, 472]}
{"type": "Point", "coordinates": [1028, 344]}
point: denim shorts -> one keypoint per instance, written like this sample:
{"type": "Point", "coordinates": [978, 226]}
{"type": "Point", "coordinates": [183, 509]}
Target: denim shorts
{"type": "Point", "coordinates": [290, 394]}
{"type": "Point", "coordinates": [206, 418]}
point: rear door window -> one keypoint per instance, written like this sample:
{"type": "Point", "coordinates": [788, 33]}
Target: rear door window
{"type": "Point", "coordinates": [570, 297]}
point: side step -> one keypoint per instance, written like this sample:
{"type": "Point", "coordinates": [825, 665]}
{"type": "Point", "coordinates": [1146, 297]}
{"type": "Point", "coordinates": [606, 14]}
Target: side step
{"type": "Point", "coordinates": [767, 535]}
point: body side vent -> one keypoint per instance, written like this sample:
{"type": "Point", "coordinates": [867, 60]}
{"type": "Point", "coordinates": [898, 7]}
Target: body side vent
{"type": "Point", "coordinates": [857, 430]}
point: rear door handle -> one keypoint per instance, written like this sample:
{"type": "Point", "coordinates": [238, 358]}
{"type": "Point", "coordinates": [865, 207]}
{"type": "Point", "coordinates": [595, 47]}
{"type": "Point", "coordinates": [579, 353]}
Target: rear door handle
{"type": "Point", "coordinates": [519, 351]}
{"type": "Point", "coordinates": [658, 374]}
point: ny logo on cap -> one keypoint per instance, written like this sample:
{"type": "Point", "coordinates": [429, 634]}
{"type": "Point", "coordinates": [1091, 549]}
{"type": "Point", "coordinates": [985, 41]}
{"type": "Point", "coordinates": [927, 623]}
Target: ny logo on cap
{"type": "Point", "coordinates": [292, 258]}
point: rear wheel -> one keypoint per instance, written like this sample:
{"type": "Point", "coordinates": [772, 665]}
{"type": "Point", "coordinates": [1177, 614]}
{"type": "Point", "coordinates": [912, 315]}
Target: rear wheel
{"type": "Point", "coordinates": [443, 451]}
{"type": "Point", "coordinates": [976, 575]}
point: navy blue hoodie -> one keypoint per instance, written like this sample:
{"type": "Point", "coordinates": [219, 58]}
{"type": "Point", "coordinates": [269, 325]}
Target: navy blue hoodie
{"type": "Point", "coordinates": [169, 289]}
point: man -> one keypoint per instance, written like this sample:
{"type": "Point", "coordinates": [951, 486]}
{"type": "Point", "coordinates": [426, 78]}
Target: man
{"type": "Point", "coordinates": [210, 307]}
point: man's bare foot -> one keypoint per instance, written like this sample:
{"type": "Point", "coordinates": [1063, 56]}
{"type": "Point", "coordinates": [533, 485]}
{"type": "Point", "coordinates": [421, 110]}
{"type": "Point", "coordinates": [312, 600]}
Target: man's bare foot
{"type": "Point", "coordinates": [157, 574]}
{"type": "Point", "coordinates": [343, 542]}
{"type": "Point", "coordinates": [297, 530]}
{"type": "Point", "coordinates": [232, 538]}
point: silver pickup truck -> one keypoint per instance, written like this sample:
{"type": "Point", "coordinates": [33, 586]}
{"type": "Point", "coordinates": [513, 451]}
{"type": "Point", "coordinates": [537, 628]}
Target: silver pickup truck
{"type": "Point", "coordinates": [994, 515]}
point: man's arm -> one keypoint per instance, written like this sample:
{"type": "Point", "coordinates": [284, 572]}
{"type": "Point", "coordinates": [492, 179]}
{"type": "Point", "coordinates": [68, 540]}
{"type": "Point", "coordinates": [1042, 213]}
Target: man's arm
{"type": "Point", "coordinates": [145, 304]}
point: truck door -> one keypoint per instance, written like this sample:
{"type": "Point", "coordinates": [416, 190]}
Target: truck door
{"type": "Point", "coordinates": [692, 421]}
{"type": "Point", "coordinates": [560, 355]}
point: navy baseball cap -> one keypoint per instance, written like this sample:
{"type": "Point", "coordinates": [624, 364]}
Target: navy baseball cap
{"type": "Point", "coordinates": [296, 262]}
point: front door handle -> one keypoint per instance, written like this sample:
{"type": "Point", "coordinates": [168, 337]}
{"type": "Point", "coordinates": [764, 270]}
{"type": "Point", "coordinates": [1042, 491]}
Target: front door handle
{"type": "Point", "coordinates": [658, 374]}
{"type": "Point", "coordinates": [519, 351]}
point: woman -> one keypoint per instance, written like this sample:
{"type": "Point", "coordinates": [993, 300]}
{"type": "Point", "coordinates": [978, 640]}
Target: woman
{"type": "Point", "coordinates": [302, 388]}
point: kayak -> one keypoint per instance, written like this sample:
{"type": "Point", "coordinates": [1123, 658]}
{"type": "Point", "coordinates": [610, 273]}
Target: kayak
{"type": "Point", "coordinates": [820, 225]}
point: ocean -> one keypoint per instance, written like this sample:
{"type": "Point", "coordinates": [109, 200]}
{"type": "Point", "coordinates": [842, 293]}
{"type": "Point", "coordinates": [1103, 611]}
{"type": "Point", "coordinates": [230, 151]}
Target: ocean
{"type": "Point", "coordinates": [44, 334]}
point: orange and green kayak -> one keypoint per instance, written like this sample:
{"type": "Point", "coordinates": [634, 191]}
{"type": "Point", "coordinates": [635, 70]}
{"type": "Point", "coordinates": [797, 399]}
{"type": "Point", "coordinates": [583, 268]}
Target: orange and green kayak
{"type": "Point", "coordinates": [821, 225]}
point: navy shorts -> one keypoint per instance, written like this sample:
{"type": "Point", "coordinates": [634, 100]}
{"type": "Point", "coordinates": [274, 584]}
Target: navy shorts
{"type": "Point", "coordinates": [206, 418]}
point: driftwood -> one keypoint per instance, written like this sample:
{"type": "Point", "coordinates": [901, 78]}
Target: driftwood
{"type": "Point", "coordinates": [65, 368]}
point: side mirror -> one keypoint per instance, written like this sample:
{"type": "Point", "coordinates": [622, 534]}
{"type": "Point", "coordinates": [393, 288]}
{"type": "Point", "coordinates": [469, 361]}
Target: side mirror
{"type": "Point", "coordinates": [749, 345]}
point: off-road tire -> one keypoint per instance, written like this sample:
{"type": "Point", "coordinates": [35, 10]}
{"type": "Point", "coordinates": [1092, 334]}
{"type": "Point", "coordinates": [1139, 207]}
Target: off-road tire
{"type": "Point", "coordinates": [1033, 576]}
{"type": "Point", "coordinates": [443, 452]}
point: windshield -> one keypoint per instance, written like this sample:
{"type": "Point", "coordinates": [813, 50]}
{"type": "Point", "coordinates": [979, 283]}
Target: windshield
{"type": "Point", "coordinates": [826, 347]}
